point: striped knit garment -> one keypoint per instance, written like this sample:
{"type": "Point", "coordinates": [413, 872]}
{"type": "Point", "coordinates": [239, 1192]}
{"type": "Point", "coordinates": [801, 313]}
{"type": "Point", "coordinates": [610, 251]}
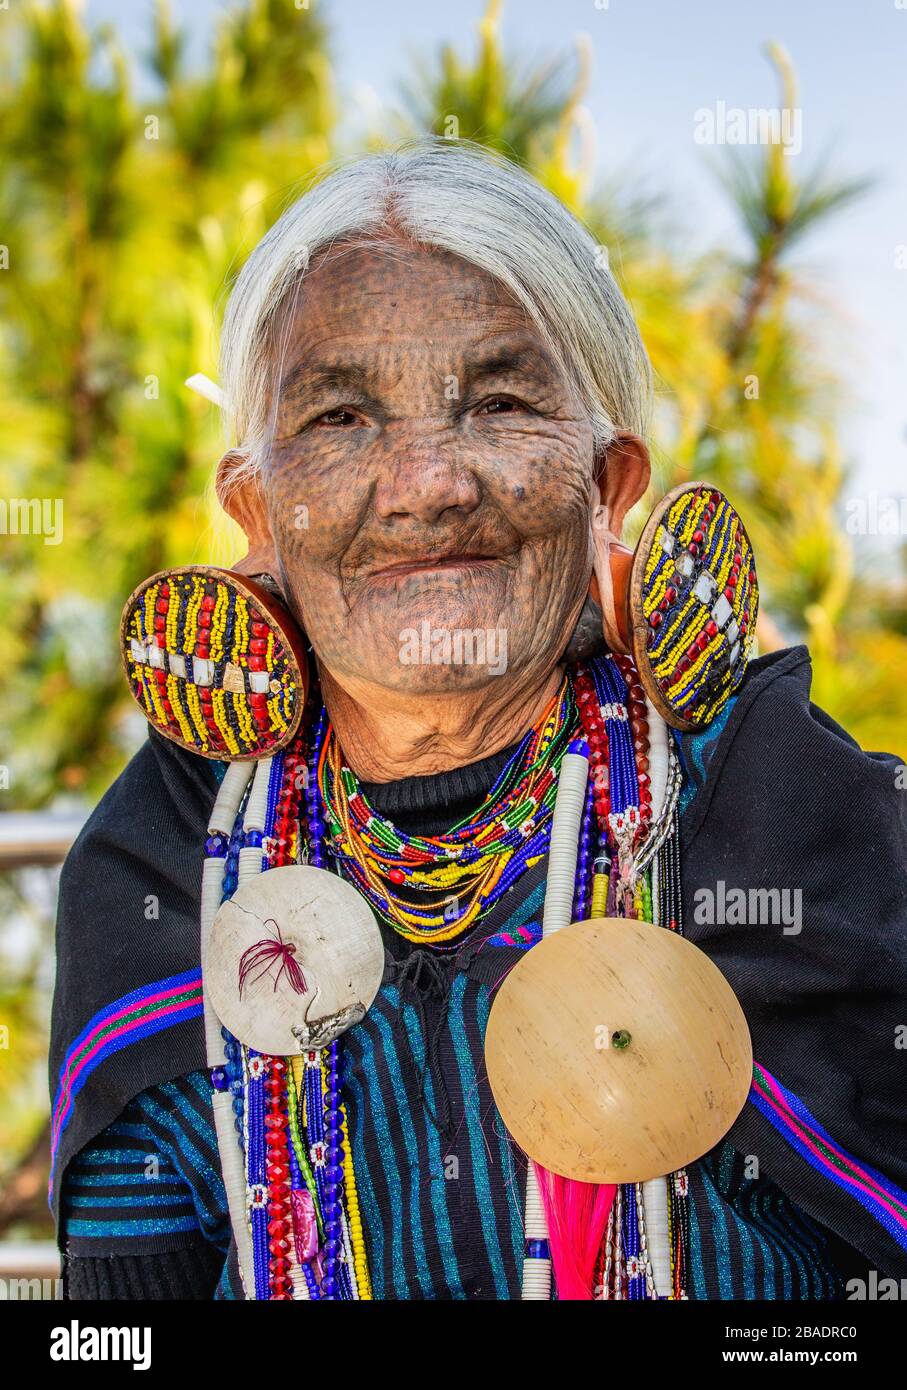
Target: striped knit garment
{"type": "Point", "coordinates": [441, 1187]}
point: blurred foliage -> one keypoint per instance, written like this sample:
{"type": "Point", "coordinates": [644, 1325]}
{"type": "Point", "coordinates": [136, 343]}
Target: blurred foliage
{"type": "Point", "coordinates": [126, 216]}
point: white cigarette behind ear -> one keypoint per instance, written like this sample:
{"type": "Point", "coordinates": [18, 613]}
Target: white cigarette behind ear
{"type": "Point", "coordinates": [204, 386]}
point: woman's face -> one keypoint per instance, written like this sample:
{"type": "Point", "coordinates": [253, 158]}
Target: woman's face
{"type": "Point", "coordinates": [431, 479]}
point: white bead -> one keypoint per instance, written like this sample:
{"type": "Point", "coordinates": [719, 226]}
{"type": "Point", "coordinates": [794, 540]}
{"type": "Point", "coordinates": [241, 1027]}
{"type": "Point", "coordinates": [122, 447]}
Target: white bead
{"type": "Point", "coordinates": [722, 611]}
{"type": "Point", "coordinates": [705, 587]}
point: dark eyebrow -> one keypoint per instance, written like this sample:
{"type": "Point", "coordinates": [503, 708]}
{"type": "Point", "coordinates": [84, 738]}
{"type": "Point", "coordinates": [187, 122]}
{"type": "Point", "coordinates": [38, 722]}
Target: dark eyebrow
{"type": "Point", "coordinates": [508, 361]}
{"type": "Point", "coordinates": [304, 380]}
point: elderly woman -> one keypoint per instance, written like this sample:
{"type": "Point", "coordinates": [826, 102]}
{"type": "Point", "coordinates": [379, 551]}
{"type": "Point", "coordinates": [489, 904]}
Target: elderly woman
{"type": "Point", "coordinates": [439, 399]}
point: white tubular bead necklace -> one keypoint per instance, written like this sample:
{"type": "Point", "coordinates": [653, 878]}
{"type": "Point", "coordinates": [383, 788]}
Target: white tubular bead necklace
{"type": "Point", "coordinates": [655, 1191]}
{"type": "Point", "coordinates": [251, 858]}
{"type": "Point", "coordinates": [566, 823]}
{"type": "Point", "coordinates": [223, 816]}
{"type": "Point", "coordinates": [659, 758]}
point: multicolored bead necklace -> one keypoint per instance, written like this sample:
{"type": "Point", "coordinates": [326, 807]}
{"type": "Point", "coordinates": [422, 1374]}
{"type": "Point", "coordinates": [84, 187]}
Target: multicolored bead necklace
{"type": "Point", "coordinates": [614, 718]}
{"type": "Point", "coordinates": [461, 874]}
{"type": "Point", "coordinates": [300, 1195]}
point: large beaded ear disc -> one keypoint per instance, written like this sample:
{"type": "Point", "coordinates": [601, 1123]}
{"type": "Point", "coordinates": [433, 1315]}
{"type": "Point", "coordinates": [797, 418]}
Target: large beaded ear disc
{"type": "Point", "coordinates": [215, 662]}
{"type": "Point", "coordinates": [686, 604]}
{"type": "Point", "coordinates": [617, 1052]}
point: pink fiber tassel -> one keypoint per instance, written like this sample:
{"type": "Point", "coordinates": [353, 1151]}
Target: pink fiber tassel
{"type": "Point", "coordinates": [577, 1215]}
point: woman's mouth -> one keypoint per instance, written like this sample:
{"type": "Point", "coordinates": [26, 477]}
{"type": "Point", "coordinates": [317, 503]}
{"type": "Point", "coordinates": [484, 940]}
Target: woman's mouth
{"type": "Point", "coordinates": [427, 563]}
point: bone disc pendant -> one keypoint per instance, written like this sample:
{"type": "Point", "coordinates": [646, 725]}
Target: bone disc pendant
{"type": "Point", "coordinates": [617, 1052]}
{"type": "Point", "coordinates": [293, 960]}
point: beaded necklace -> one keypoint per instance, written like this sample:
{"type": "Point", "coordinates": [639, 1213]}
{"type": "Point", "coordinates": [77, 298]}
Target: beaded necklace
{"type": "Point", "coordinates": [614, 717]}
{"type": "Point", "coordinates": [290, 1179]}
{"type": "Point", "coordinates": [461, 874]}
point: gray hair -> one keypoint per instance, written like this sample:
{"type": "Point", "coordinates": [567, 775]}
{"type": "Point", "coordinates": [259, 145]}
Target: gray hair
{"type": "Point", "coordinates": [460, 198]}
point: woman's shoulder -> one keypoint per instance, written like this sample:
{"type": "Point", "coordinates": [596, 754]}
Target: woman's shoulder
{"type": "Point", "coordinates": [774, 755]}
{"type": "Point", "coordinates": [157, 806]}
{"type": "Point", "coordinates": [127, 944]}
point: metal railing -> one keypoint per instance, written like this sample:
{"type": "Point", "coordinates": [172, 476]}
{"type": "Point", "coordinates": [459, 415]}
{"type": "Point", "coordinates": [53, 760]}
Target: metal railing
{"type": "Point", "coordinates": [42, 838]}
{"type": "Point", "coordinates": [33, 839]}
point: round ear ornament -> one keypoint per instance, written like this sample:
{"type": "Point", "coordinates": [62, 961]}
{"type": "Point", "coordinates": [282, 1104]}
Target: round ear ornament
{"type": "Point", "coordinates": [685, 604]}
{"type": "Point", "coordinates": [215, 662]}
{"type": "Point", "coordinates": [617, 1052]}
{"type": "Point", "coordinates": [292, 960]}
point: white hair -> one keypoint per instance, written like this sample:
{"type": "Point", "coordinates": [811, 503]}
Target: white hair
{"type": "Point", "coordinates": [462, 199]}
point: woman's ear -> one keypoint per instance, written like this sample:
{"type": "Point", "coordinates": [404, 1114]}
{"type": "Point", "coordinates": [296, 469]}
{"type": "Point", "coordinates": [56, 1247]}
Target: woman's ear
{"type": "Point", "coordinates": [241, 497]}
{"type": "Point", "coordinates": [623, 470]}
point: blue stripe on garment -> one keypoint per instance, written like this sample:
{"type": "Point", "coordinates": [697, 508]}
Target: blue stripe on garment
{"type": "Point", "coordinates": [765, 1248]}
{"type": "Point", "coordinates": [92, 1202]}
{"type": "Point", "coordinates": [697, 1266]}
{"type": "Point", "coordinates": [740, 1227]}
{"type": "Point", "coordinates": [181, 1133]}
{"type": "Point", "coordinates": [719, 1235]}
{"type": "Point", "coordinates": [476, 1138]}
{"type": "Point", "coordinates": [384, 1136]}
{"type": "Point", "coordinates": [516, 1191]}
{"type": "Point", "coordinates": [437, 1179]}
{"type": "Point", "coordinates": [98, 1229]}
{"type": "Point", "coordinates": [371, 1211]}
{"type": "Point", "coordinates": [410, 1150]}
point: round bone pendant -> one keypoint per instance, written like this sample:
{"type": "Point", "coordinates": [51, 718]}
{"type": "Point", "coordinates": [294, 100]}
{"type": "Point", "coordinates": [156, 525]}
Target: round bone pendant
{"type": "Point", "coordinates": [617, 1052]}
{"type": "Point", "coordinates": [293, 960]}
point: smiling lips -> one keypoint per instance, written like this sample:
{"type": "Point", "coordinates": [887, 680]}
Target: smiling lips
{"type": "Point", "coordinates": [427, 563]}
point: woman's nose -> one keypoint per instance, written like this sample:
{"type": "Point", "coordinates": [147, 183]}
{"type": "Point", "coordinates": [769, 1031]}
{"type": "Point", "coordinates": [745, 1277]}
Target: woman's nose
{"type": "Point", "coordinates": [424, 483]}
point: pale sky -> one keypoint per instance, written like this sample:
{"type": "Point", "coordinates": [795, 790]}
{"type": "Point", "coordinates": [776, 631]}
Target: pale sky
{"type": "Point", "coordinates": [655, 64]}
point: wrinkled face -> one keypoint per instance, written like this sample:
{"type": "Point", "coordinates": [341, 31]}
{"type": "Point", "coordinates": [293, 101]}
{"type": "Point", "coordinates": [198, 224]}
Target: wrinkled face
{"type": "Point", "coordinates": [431, 479]}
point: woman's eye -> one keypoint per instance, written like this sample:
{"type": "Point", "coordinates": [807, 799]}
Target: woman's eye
{"type": "Point", "coordinates": [338, 416]}
{"type": "Point", "coordinates": [501, 405]}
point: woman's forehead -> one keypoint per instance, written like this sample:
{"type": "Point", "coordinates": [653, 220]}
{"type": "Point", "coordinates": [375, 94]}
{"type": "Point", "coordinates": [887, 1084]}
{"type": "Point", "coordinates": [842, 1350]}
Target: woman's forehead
{"type": "Point", "coordinates": [362, 284]}
{"type": "Point", "coordinates": [368, 301]}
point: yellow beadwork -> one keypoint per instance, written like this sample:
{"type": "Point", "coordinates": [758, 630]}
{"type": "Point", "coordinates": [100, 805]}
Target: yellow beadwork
{"type": "Point", "coordinates": [218, 707]}
{"type": "Point", "coordinates": [598, 906]}
{"type": "Point", "coordinates": [195, 710]}
{"type": "Point", "coordinates": [173, 695]}
{"type": "Point", "coordinates": [357, 1235]}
